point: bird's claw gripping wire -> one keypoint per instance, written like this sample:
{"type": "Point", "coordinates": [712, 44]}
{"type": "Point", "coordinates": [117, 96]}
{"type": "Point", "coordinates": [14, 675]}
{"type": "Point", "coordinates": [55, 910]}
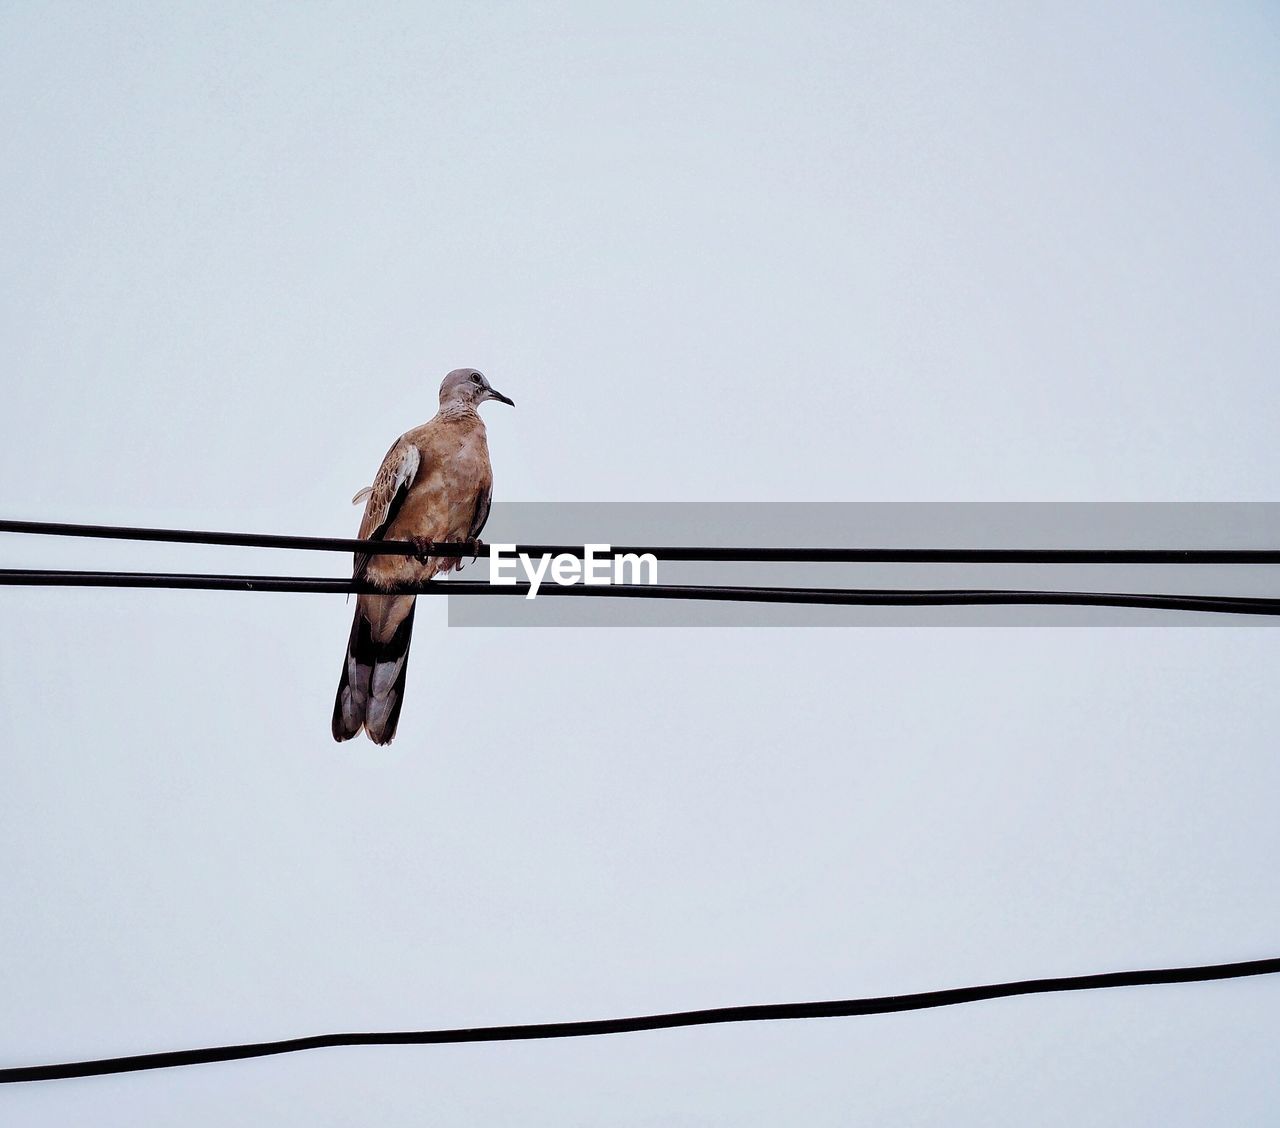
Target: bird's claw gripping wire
{"type": "Point", "coordinates": [472, 547]}
{"type": "Point", "coordinates": [425, 548]}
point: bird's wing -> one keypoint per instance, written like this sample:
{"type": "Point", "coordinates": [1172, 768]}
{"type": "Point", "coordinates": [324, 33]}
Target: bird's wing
{"type": "Point", "coordinates": [387, 494]}
{"type": "Point", "coordinates": [481, 515]}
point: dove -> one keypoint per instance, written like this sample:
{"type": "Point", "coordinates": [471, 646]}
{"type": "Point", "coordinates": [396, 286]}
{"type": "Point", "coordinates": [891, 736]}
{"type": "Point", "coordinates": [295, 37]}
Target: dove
{"type": "Point", "coordinates": [435, 484]}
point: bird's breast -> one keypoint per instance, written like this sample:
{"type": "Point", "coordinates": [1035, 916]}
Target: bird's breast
{"type": "Point", "coordinates": [454, 473]}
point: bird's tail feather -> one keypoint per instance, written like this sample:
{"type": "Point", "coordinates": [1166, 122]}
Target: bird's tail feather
{"type": "Point", "coordinates": [371, 688]}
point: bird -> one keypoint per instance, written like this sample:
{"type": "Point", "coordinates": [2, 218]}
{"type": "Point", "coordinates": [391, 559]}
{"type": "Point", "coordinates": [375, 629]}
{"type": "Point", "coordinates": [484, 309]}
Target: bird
{"type": "Point", "coordinates": [435, 484]}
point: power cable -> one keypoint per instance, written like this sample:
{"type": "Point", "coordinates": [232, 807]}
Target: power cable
{"type": "Point", "coordinates": [793, 554]}
{"type": "Point", "coordinates": [863, 597]}
{"type": "Point", "coordinates": [765, 1012]}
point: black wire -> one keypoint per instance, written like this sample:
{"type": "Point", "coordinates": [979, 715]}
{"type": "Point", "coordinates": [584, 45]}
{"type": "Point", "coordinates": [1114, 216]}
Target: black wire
{"type": "Point", "coordinates": [861, 597]}
{"type": "Point", "coordinates": [839, 1008]}
{"type": "Point", "coordinates": [677, 552]}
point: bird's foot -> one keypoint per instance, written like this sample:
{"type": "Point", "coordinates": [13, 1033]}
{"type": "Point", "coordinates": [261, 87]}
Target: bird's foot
{"type": "Point", "coordinates": [425, 548]}
{"type": "Point", "coordinates": [472, 547]}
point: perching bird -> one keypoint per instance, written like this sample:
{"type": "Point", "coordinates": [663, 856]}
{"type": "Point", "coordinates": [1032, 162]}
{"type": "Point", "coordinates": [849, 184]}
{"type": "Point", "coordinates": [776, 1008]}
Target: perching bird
{"type": "Point", "coordinates": [434, 485]}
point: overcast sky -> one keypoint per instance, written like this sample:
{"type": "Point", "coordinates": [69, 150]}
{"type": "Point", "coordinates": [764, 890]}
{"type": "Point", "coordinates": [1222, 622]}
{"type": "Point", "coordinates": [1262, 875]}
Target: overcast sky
{"type": "Point", "coordinates": [715, 252]}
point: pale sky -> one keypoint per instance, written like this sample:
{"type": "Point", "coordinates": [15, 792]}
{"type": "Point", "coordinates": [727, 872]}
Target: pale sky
{"type": "Point", "coordinates": [715, 252]}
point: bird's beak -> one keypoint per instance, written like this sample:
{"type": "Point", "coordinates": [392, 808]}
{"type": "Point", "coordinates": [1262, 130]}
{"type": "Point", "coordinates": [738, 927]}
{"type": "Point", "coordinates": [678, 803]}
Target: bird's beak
{"type": "Point", "coordinates": [494, 394]}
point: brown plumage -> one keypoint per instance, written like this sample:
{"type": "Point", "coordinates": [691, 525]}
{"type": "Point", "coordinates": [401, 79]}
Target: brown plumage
{"type": "Point", "coordinates": [434, 485]}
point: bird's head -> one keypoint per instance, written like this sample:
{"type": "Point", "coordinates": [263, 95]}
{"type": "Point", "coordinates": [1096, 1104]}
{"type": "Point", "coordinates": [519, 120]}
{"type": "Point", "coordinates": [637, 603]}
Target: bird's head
{"type": "Point", "coordinates": [469, 387]}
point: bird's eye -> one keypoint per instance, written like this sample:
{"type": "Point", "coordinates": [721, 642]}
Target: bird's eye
{"type": "Point", "coordinates": [476, 377]}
